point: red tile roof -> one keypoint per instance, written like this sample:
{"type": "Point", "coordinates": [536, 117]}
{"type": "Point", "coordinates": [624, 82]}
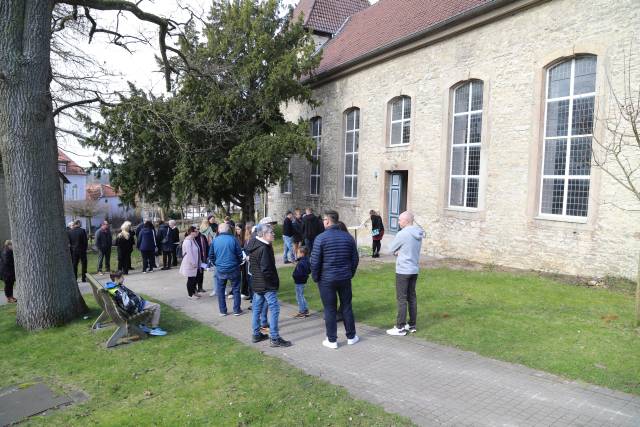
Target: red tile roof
{"type": "Point", "coordinates": [72, 167]}
{"type": "Point", "coordinates": [97, 191]}
{"type": "Point", "coordinates": [387, 22]}
{"type": "Point", "coordinates": [328, 16]}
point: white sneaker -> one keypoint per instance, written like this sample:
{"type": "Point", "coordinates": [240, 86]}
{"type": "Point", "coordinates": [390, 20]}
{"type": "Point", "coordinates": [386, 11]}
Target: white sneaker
{"type": "Point", "coordinates": [230, 296]}
{"type": "Point", "coordinates": [353, 340]}
{"type": "Point", "coordinates": [213, 293]}
{"type": "Point", "coordinates": [410, 329]}
{"type": "Point", "coordinates": [328, 344]}
{"type": "Point", "coordinates": [194, 297]}
{"type": "Point", "coordinates": [396, 332]}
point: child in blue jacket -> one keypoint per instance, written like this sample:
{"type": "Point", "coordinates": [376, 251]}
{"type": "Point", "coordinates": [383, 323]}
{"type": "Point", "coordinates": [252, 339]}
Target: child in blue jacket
{"type": "Point", "coordinates": [300, 277]}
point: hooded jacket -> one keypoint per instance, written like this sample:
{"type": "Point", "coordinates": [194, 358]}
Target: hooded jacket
{"type": "Point", "coordinates": [262, 266]}
{"type": "Point", "coordinates": [407, 244]}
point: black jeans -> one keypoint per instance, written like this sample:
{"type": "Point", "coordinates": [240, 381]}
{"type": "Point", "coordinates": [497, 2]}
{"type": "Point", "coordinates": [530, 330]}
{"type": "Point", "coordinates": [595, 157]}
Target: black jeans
{"type": "Point", "coordinates": [376, 247]}
{"type": "Point", "coordinates": [148, 260]}
{"type": "Point", "coordinates": [167, 259]}
{"type": "Point", "coordinates": [200, 279]}
{"type": "Point", "coordinates": [8, 288]}
{"type": "Point", "coordinates": [406, 295]}
{"type": "Point", "coordinates": [191, 285]}
{"type": "Point", "coordinates": [124, 261]}
{"type": "Point", "coordinates": [106, 256]}
{"type": "Point", "coordinates": [308, 243]}
{"type": "Point", "coordinates": [329, 294]}
{"type": "Point", "coordinates": [77, 258]}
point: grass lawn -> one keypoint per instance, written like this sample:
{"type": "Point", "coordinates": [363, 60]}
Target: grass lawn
{"type": "Point", "coordinates": [193, 376]}
{"type": "Point", "coordinates": [577, 332]}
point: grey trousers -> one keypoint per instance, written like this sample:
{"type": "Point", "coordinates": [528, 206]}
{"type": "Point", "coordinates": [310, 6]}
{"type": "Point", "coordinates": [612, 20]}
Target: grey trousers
{"type": "Point", "coordinates": [406, 296]}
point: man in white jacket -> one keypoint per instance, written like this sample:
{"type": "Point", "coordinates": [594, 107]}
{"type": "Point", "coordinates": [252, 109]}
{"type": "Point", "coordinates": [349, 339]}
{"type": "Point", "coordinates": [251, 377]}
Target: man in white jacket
{"type": "Point", "coordinates": [406, 247]}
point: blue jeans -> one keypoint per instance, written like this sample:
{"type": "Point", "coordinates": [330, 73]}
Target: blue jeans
{"type": "Point", "coordinates": [289, 255]}
{"type": "Point", "coordinates": [269, 299]}
{"type": "Point", "coordinates": [302, 303]}
{"type": "Point", "coordinates": [329, 293]}
{"type": "Point", "coordinates": [221, 282]}
{"type": "Point", "coordinates": [309, 244]}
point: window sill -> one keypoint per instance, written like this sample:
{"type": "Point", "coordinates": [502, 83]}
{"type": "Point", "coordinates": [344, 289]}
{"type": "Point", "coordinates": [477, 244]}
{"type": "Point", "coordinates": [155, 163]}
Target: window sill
{"type": "Point", "coordinates": [464, 213]}
{"type": "Point", "coordinates": [562, 219]}
{"type": "Point", "coordinates": [398, 147]}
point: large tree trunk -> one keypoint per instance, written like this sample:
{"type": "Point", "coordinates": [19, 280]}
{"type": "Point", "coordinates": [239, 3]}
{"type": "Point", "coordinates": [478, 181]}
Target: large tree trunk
{"type": "Point", "coordinates": [248, 209]}
{"type": "Point", "coordinates": [46, 289]}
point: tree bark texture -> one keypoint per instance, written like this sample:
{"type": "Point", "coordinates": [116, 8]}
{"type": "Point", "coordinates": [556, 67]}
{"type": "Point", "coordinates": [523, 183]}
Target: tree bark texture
{"type": "Point", "coordinates": [47, 292]}
{"type": "Point", "coordinates": [248, 209]}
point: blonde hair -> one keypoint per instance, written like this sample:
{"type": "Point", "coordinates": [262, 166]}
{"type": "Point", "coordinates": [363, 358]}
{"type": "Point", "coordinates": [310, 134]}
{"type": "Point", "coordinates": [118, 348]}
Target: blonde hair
{"type": "Point", "coordinates": [7, 243]}
{"type": "Point", "coordinates": [124, 229]}
{"type": "Point", "coordinates": [204, 225]}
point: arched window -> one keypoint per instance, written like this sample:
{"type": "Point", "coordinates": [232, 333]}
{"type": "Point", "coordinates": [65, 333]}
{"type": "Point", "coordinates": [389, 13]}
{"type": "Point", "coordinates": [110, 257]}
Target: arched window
{"type": "Point", "coordinates": [316, 135]}
{"type": "Point", "coordinates": [466, 145]}
{"type": "Point", "coordinates": [351, 143]}
{"type": "Point", "coordinates": [566, 159]}
{"type": "Point", "coordinates": [400, 121]}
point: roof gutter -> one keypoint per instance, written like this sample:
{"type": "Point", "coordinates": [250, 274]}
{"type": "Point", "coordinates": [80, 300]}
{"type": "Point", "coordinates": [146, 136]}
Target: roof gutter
{"type": "Point", "coordinates": [320, 78]}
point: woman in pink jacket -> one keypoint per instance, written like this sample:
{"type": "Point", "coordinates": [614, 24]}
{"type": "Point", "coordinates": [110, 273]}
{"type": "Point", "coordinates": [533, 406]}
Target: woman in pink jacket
{"type": "Point", "coordinates": [190, 262]}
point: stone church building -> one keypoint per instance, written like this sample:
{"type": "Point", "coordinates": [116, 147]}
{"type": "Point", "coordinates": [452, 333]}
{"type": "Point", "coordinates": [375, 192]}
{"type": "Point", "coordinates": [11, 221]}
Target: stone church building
{"type": "Point", "coordinates": [479, 116]}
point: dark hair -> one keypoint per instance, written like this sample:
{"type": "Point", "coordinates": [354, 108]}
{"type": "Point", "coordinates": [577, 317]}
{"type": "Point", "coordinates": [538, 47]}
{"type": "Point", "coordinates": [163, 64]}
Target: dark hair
{"type": "Point", "coordinates": [190, 230]}
{"type": "Point", "coordinates": [115, 275]}
{"type": "Point", "coordinates": [214, 227]}
{"type": "Point", "coordinates": [148, 224]}
{"type": "Point", "coordinates": [342, 226]}
{"type": "Point", "coordinates": [304, 250]}
{"type": "Point", "coordinates": [333, 216]}
{"type": "Point", "coordinates": [289, 212]}
{"type": "Point", "coordinates": [372, 212]}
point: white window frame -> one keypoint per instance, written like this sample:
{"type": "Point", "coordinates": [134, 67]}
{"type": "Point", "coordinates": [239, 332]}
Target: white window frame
{"type": "Point", "coordinates": [566, 177]}
{"type": "Point", "coordinates": [286, 186]}
{"type": "Point", "coordinates": [74, 192]}
{"type": "Point", "coordinates": [354, 172]}
{"type": "Point", "coordinates": [468, 145]}
{"type": "Point", "coordinates": [62, 167]}
{"type": "Point", "coordinates": [315, 155]}
{"type": "Point", "coordinates": [404, 99]}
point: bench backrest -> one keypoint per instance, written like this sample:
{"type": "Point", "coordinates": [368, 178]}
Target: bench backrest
{"type": "Point", "coordinates": [95, 288]}
{"type": "Point", "coordinates": [111, 307]}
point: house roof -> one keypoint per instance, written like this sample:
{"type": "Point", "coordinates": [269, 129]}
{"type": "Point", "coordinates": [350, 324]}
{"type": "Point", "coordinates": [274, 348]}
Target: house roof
{"type": "Point", "coordinates": [327, 16]}
{"type": "Point", "coordinates": [72, 167]}
{"type": "Point", "coordinates": [98, 191]}
{"type": "Point", "coordinates": [388, 22]}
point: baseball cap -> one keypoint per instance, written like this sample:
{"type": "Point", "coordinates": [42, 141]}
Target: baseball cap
{"type": "Point", "coordinates": [267, 220]}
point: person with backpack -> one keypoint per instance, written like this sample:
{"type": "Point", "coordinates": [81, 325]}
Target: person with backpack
{"type": "Point", "coordinates": [8, 271]}
{"type": "Point", "coordinates": [128, 301]}
{"type": "Point", "coordinates": [377, 232]}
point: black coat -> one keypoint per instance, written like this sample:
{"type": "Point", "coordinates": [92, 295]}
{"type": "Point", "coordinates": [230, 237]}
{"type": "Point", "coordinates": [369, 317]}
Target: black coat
{"type": "Point", "coordinates": [311, 226]}
{"type": "Point", "coordinates": [124, 245]}
{"type": "Point", "coordinates": [78, 241]}
{"type": "Point", "coordinates": [262, 266]}
{"type": "Point", "coordinates": [287, 228]}
{"type": "Point", "coordinates": [104, 240]}
{"type": "Point", "coordinates": [7, 267]}
{"type": "Point", "coordinates": [164, 238]}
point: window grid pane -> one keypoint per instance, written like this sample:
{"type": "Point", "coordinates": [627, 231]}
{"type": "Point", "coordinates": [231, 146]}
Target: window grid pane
{"type": "Point", "coordinates": [352, 137]}
{"type": "Point", "coordinates": [565, 159]}
{"type": "Point", "coordinates": [316, 135]}
{"type": "Point", "coordinates": [466, 143]}
{"type": "Point", "coordinates": [400, 121]}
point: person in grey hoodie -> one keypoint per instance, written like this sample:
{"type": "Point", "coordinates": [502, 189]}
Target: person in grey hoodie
{"type": "Point", "coordinates": [406, 247]}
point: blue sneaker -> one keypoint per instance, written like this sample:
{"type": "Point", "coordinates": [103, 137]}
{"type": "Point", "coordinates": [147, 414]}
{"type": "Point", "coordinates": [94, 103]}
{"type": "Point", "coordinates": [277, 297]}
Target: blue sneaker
{"type": "Point", "coordinates": [157, 332]}
{"type": "Point", "coordinates": [145, 329]}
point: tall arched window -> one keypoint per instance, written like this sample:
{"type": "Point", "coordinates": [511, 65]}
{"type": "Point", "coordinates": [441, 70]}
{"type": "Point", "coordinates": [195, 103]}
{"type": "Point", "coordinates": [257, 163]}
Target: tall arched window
{"type": "Point", "coordinates": [400, 112]}
{"type": "Point", "coordinates": [316, 135]}
{"type": "Point", "coordinates": [566, 159]}
{"type": "Point", "coordinates": [351, 143]}
{"type": "Point", "coordinates": [466, 144]}
{"type": "Point", "coordinates": [286, 185]}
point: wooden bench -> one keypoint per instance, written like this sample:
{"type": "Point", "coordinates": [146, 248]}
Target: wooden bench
{"type": "Point", "coordinates": [127, 324]}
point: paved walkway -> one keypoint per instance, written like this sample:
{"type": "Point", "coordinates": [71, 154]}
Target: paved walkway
{"type": "Point", "coordinates": [429, 383]}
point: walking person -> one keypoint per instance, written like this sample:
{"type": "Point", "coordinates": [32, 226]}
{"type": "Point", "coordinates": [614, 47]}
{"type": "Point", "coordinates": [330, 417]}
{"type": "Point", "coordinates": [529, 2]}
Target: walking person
{"type": "Point", "coordinates": [300, 277]}
{"type": "Point", "coordinates": [262, 266]}
{"type": "Point", "coordinates": [287, 236]}
{"type": "Point", "coordinates": [104, 242]}
{"type": "Point", "coordinates": [226, 255]}
{"type": "Point", "coordinates": [147, 245]}
{"type": "Point", "coordinates": [334, 262]}
{"type": "Point", "coordinates": [203, 251]}
{"type": "Point", "coordinates": [124, 245]}
{"type": "Point", "coordinates": [406, 247]}
{"type": "Point", "coordinates": [190, 261]}
{"type": "Point", "coordinates": [78, 245]}
{"type": "Point", "coordinates": [377, 232]}
{"type": "Point", "coordinates": [312, 226]}
{"type": "Point", "coordinates": [8, 270]}
{"type": "Point", "coordinates": [174, 240]}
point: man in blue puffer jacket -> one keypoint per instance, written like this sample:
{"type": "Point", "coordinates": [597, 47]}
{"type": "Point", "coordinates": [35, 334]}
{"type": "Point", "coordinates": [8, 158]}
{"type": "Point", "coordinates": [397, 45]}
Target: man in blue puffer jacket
{"type": "Point", "coordinates": [334, 262]}
{"type": "Point", "coordinates": [226, 254]}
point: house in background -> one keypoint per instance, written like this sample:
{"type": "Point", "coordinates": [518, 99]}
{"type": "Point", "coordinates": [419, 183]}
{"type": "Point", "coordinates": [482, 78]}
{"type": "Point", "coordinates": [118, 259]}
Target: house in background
{"type": "Point", "coordinates": [75, 189]}
{"type": "Point", "coordinates": [108, 203]}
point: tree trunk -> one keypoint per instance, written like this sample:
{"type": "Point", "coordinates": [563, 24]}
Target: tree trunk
{"type": "Point", "coordinates": [638, 295]}
{"type": "Point", "coordinates": [47, 292]}
{"type": "Point", "coordinates": [248, 209]}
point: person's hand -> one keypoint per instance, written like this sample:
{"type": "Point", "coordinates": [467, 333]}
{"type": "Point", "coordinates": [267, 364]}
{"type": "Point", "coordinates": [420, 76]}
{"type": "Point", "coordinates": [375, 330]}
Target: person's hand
{"type": "Point", "coordinates": [395, 253]}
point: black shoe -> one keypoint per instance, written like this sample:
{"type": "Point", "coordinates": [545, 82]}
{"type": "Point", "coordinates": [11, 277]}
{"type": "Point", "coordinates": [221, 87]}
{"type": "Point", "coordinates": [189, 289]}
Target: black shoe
{"type": "Point", "coordinates": [279, 342]}
{"type": "Point", "coordinates": [258, 338]}
{"type": "Point", "coordinates": [84, 279]}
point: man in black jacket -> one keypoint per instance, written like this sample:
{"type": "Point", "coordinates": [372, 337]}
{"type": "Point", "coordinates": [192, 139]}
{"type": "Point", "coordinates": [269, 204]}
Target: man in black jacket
{"type": "Point", "coordinates": [287, 236]}
{"type": "Point", "coordinates": [262, 266]}
{"type": "Point", "coordinates": [78, 244]}
{"type": "Point", "coordinates": [311, 226]}
{"type": "Point", "coordinates": [104, 241]}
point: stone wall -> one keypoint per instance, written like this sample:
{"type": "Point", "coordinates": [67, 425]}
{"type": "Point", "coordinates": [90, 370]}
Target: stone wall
{"type": "Point", "coordinates": [510, 56]}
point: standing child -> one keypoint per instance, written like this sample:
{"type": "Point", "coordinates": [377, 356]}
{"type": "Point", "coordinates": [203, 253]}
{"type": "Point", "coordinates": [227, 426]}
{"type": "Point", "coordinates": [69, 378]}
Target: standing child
{"type": "Point", "coordinates": [300, 277]}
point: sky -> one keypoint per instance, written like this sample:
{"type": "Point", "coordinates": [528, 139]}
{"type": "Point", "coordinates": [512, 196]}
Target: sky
{"type": "Point", "coordinates": [139, 67]}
